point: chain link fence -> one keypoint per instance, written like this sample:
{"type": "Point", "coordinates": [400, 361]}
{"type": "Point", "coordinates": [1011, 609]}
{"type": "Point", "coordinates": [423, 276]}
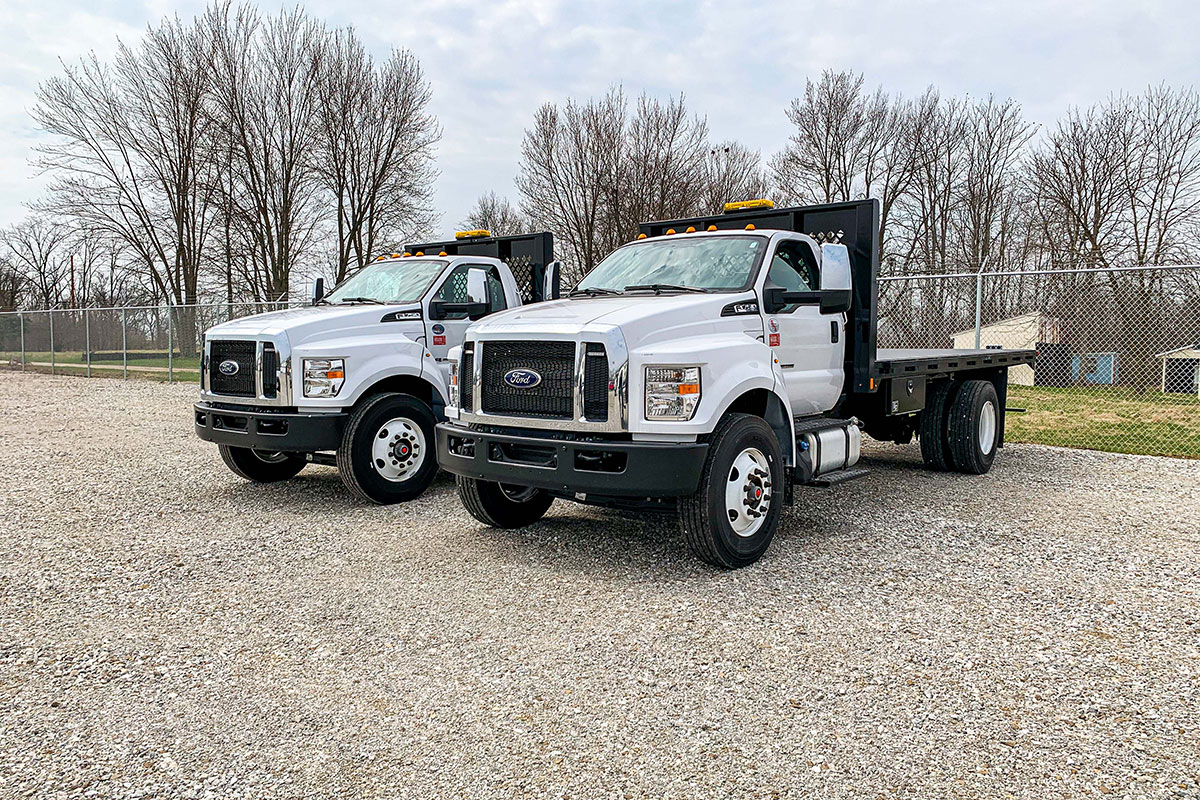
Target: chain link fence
{"type": "Point", "coordinates": [159, 342]}
{"type": "Point", "coordinates": [1118, 365]}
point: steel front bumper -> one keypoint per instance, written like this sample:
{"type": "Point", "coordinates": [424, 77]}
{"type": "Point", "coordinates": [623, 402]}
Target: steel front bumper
{"type": "Point", "coordinates": [603, 468]}
{"type": "Point", "coordinates": [269, 430]}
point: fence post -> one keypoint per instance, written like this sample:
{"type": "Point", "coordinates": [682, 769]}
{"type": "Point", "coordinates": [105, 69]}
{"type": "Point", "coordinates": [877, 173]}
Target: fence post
{"type": "Point", "coordinates": [170, 348]}
{"type": "Point", "coordinates": [979, 300]}
{"type": "Point", "coordinates": [51, 313]}
{"type": "Point", "coordinates": [124, 350]}
{"type": "Point", "coordinates": [21, 324]}
{"type": "Point", "coordinates": [87, 341]}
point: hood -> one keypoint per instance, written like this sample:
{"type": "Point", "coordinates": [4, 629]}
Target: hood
{"type": "Point", "coordinates": [299, 324]}
{"type": "Point", "coordinates": [639, 317]}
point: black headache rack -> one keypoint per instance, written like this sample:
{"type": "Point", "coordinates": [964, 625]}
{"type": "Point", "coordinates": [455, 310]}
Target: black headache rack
{"type": "Point", "coordinates": [527, 255]}
{"type": "Point", "coordinates": [854, 224]}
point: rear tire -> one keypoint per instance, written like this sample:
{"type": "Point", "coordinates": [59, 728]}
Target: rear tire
{"type": "Point", "coordinates": [387, 454]}
{"type": "Point", "coordinates": [974, 427]}
{"type": "Point", "coordinates": [260, 466]}
{"type": "Point", "coordinates": [501, 505]}
{"type": "Point", "coordinates": [934, 433]}
{"type": "Point", "coordinates": [731, 519]}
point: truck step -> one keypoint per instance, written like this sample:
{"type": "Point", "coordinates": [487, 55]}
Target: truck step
{"type": "Point", "coordinates": [840, 476]}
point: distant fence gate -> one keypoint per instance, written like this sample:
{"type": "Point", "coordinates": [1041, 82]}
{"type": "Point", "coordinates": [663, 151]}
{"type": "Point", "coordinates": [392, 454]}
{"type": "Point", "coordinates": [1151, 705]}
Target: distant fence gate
{"type": "Point", "coordinates": [1118, 364]}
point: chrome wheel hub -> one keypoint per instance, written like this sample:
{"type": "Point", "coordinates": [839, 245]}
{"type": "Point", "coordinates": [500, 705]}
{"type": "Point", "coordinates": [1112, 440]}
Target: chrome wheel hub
{"type": "Point", "coordinates": [748, 492]}
{"type": "Point", "coordinates": [398, 449]}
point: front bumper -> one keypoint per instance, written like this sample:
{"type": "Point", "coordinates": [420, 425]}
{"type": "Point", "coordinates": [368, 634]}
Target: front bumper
{"type": "Point", "coordinates": [601, 468]}
{"type": "Point", "coordinates": [269, 430]}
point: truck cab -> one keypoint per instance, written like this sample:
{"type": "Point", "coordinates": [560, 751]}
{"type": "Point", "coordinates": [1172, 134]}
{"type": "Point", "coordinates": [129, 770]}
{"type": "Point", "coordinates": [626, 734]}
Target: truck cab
{"type": "Point", "coordinates": [359, 378]}
{"type": "Point", "coordinates": [706, 369]}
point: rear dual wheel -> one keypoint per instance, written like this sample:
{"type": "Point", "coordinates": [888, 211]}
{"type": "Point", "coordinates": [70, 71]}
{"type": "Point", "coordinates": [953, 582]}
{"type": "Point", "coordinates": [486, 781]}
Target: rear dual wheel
{"type": "Point", "coordinates": [960, 426]}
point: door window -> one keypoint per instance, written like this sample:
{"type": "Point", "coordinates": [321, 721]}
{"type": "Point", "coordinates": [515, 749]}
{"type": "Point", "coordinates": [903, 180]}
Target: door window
{"type": "Point", "coordinates": [794, 267]}
{"type": "Point", "coordinates": [454, 289]}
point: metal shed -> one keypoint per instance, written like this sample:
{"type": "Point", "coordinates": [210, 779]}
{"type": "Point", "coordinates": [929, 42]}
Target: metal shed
{"type": "Point", "coordinates": [1181, 370]}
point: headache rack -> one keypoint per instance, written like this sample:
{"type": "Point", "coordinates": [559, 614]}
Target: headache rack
{"type": "Point", "coordinates": [527, 256]}
{"type": "Point", "coordinates": [854, 224]}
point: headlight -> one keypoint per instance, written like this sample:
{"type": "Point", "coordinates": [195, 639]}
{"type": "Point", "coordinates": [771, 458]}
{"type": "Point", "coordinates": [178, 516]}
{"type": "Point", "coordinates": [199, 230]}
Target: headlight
{"type": "Point", "coordinates": [672, 392]}
{"type": "Point", "coordinates": [323, 377]}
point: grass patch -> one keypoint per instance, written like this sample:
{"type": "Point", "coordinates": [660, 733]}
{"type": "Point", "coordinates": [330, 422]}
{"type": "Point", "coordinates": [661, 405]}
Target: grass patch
{"type": "Point", "coordinates": [1115, 420]}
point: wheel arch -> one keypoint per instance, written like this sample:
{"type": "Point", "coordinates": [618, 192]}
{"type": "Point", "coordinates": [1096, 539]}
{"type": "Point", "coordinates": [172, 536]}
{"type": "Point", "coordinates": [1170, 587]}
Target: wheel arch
{"type": "Point", "coordinates": [413, 385]}
{"type": "Point", "coordinates": [773, 410]}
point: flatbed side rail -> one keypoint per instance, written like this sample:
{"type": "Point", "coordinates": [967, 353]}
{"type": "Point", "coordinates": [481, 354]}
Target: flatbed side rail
{"type": "Point", "coordinates": [945, 362]}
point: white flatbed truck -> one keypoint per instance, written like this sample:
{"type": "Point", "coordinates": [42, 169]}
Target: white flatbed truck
{"type": "Point", "coordinates": [707, 369]}
{"type": "Point", "coordinates": [359, 378]}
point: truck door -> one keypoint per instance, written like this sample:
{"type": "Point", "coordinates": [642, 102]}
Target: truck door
{"type": "Point", "coordinates": [442, 334]}
{"type": "Point", "coordinates": [810, 345]}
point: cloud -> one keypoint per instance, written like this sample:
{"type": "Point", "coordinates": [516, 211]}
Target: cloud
{"type": "Point", "coordinates": [493, 64]}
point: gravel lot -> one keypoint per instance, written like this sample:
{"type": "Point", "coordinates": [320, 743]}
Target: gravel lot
{"type": "Point", "coordinates": [167, 630]}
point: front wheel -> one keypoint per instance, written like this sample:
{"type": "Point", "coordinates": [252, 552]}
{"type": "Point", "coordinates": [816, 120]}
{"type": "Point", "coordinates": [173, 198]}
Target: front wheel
{"type": "Point", "coordinates": [387, 450]}
{"type": "Point", "coordinates": [730, 521]}
{"type": "Point", "coordinates": [261, 466]}
{"type": "Point", "coordinates": [501, 505]}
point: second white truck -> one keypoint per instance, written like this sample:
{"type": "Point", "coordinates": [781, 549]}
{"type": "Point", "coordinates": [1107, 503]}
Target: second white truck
{"type": "Point", "coordinates": [707, 369]}
{"type": "Point", "coordinates": [359, 378]}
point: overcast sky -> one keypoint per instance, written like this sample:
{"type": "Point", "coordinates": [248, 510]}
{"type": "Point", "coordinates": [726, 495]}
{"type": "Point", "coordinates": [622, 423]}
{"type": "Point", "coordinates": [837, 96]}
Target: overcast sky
{"type": "Point", "coordinates": [493, 63]}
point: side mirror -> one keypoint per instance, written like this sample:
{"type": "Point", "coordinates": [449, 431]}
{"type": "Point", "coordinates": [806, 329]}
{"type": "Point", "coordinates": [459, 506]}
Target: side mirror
{"type": "Point", "coordinates": [837, 287]}
{"type": "Point", "coordinates": [551, 281]}
{"type": "Point", "coordinates": [479, 299]}
{"type": "Point", "coordinates": [478, 290]}
{"type": "Point", "coordinates": [318, 290]}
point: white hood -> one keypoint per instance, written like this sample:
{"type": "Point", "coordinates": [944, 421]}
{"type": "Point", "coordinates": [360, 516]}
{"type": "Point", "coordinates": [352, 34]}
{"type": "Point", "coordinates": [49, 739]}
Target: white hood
{"type": "Point", "coordinates": [300, 324]}
{"type": "Point", "coordinates": [639, 317]}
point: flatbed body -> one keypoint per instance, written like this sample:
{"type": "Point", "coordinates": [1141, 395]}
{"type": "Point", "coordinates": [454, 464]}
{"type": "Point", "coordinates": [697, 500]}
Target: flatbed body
{"type": "Point", "coordinates": [894, 362]}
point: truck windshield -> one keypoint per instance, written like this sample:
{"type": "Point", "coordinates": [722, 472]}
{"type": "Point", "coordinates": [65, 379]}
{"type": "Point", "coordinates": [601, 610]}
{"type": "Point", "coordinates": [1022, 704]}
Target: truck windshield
{"type": "Point", "coordinates": [680, 262]}
{"type": "Point", "coordinates": [394, 281]}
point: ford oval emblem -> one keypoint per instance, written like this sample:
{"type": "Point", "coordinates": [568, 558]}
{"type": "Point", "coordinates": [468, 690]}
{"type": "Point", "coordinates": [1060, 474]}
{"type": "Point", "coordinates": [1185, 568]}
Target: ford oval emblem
{"type": "Point", "coordinates": [228, 367]}
{"type": "Point", "coordinates": [522, 378]}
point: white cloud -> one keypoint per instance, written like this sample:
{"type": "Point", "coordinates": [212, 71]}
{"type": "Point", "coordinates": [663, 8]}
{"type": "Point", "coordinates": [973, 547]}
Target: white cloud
{"type": "Point", "coordinates": [493, 64]}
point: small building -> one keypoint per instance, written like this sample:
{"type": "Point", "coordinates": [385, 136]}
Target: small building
{"type": "Point", "coordinates": [1025, 332]}
{"type": "Point", "coordinates": [1181, 370]}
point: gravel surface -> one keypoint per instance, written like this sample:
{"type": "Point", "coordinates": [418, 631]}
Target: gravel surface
{"type": "Point", "coordinates": [167, 630]}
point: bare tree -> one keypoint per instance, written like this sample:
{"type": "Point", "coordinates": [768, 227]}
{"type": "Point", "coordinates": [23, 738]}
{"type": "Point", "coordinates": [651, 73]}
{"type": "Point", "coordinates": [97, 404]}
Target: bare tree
{"type": "Point", "coordinates": [569, 160]}
{"type": "Point", "coordinates": [36, 248]}
{"type": "Point", "coordinates": [374, 151]}
{"type": "Point", "coordinates": [265, 73]}
{"type": "Point", "coordinates": [499, 216]}
{"type": "Point", "coordinates": [128, 151]}
{"type": "Point", "coordinates": [732, 172]}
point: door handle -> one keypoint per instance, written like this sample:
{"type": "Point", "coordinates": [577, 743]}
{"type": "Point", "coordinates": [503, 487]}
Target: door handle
{"type": "Point", "coordinates": [833, 331]}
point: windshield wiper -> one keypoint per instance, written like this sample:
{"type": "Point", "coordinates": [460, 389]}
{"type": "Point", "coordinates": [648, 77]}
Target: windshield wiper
{"type": "Point", "coordinates": [345, 300]}
{"type": "Point", "coordinates": [659, 288]}
{"type": "Point", "coordinates": [592, 291]}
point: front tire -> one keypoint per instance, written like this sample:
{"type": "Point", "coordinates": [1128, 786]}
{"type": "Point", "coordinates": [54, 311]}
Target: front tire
{"type": "Point", "coordinates": [730, 521]}
{"type": "Point", "coordinates": [387, 453]}
{"type": "Point", "coordinates": [974, 427]}
{"type": "Point", "coordinates": [500, 505]}
{"type": "Point", "coordinates": [260, 466]}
